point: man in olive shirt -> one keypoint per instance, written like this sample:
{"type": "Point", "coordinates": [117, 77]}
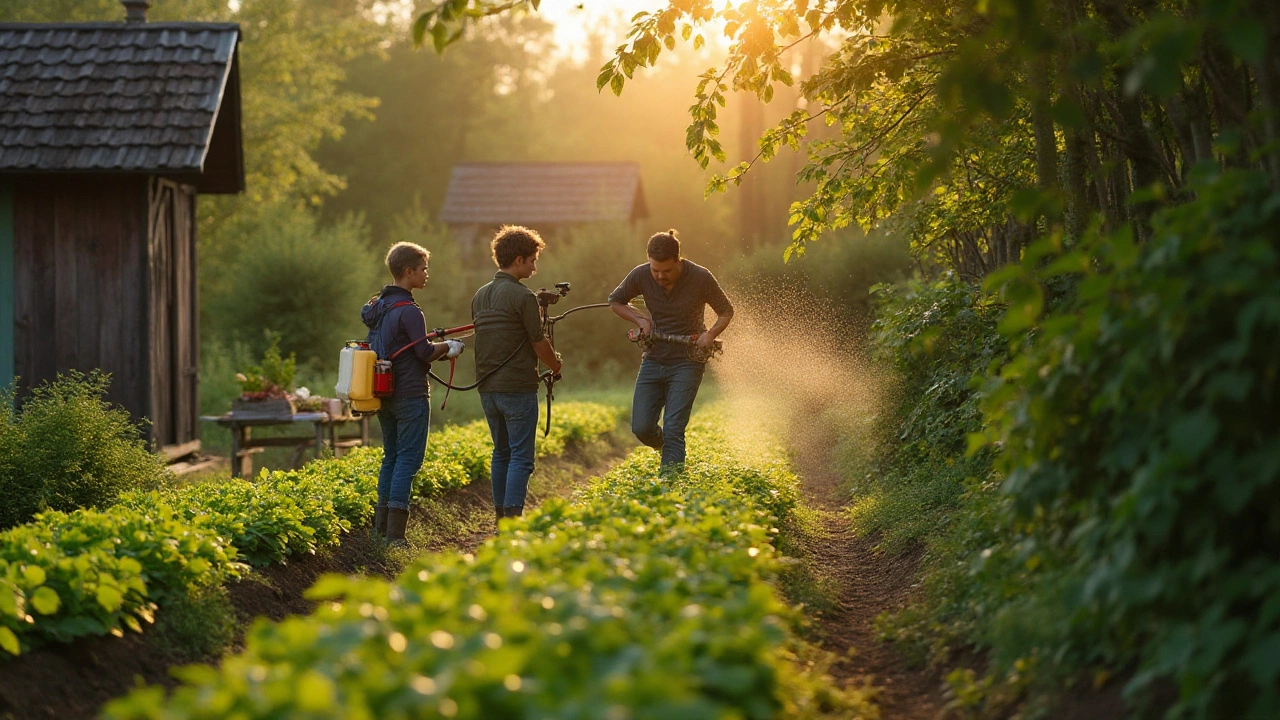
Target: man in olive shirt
{"type": "Point", "coordinates": [676, 291]}
{"type": "Point", "coordinates": [509, 343]}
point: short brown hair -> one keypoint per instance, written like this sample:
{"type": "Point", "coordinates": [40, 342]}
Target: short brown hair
{"type": "Point", "coordinates": [405, 256]}
{"type": "Point", "coordinates": [664, 246]}
{"type": "Point", "coordinates": [514, 241]}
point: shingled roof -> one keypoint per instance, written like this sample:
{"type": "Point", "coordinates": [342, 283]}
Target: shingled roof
{"type": "Point", "coordinates": [155, 98]}
{"type": "Point", "coordinates": [531, 193]}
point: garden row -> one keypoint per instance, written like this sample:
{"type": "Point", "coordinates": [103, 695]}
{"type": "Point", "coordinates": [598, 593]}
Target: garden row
{"type": "Point", "coordinates": [92, 572]}
{"type": "Point", "coordinates": [645, 597]}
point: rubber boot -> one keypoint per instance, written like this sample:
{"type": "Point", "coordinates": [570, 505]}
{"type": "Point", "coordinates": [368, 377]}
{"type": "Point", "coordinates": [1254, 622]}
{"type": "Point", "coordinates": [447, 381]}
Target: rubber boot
{"type": "Point", "coordinates": [513, 511]}
{"type": "Point", "coordinates": [397, 519]}
{"type": "Point", "coordinates": [380, 519]}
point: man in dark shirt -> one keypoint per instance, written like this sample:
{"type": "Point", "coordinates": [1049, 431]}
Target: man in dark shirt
{"type": "Point", "coordinates": [675, 291]}
{"type": "Point", "coordinates": [394, 322]}
{"type": "Point", "coordinates": [509, 343]}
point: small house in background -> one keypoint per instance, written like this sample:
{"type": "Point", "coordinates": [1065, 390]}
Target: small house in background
{"type": "Point", "coordinates": [108, 132]}
{"type": "Point", "coordinates": [549, 197]}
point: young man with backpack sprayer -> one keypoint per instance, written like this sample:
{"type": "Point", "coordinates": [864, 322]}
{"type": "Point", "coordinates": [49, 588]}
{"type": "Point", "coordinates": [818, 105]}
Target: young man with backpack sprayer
{"type": "Point", "coordinates": [675, 291]}
{"type": "Point", "coordinates": [510, 340]}
{"type": "Point", "coordinates": [395, 322]}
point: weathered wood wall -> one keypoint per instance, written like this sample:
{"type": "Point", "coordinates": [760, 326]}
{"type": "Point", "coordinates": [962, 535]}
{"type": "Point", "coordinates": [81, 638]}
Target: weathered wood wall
{"type": "Point", "coordinates": [105, 278]}
{"type": "Point", "coordinates": [172, 300]}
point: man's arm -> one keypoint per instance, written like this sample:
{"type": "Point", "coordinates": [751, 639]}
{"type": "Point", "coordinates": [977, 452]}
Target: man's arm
{"type": "Point", "coordinates": [620, 299]}
{"type": "Point", "coordinates": [415, 326]}
{"type": "Point", "coordinates": [533, 326]}
{"type": "Point", "coordinates": [628, 313]}
{"type": "Point", "coordinates": [708, 337]}
{"type": "Point", "coordinates": [548, 355]}
{"type": "Point", "coordinates": [723, 309]}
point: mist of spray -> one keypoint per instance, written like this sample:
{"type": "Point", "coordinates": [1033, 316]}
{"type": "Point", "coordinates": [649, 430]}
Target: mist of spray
{"type": "Point", "coordinates": [798, 369]}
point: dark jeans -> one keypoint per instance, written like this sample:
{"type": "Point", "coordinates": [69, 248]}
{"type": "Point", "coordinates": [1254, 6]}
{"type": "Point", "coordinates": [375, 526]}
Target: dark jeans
{"type": "Point", "coordinates": [673, 387]}
{"type": "Point", "coordinates": [404, 440]}
{"type": "Point", "coordinates": [513, 423]}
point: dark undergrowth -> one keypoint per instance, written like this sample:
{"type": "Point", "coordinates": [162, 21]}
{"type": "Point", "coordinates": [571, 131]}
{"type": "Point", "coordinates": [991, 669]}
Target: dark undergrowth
{"type": "Point", "coordinates": [1081, 452]}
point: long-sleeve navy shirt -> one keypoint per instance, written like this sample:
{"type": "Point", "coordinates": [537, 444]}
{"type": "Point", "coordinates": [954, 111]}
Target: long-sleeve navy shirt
{"type": "Point", "coordinates": [390, 329]}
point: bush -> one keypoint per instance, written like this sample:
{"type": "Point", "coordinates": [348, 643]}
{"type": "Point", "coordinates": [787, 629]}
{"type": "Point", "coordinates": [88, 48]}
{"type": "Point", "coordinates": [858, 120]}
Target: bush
{"type": "Point", "coordinates": [1139, 436]}
{"type": "Point", "coordinates": [290, 276]}
{"type": "Point", "coordinates": [839, 272]}
{"type": "Point", "coordinates": [197, 625]}
{"type": "Point", "coordinates": [68, 448]}
{"type": "Point", "coordinates": [938, 337]}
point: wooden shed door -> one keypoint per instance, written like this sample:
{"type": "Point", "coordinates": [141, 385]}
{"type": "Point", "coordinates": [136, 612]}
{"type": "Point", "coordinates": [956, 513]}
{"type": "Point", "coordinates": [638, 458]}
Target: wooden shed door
{"type": "Point", "coordinates": [175, 404]}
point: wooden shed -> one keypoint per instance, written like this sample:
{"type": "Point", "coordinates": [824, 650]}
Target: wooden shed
{"type": "Point", "coordinates": [108, 132]}
{"type": "Point", "coordinates": [546, 196]}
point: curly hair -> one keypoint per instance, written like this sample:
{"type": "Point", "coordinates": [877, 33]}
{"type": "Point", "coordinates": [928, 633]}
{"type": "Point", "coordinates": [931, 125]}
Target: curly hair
{"type": "Point", "coordinates": [514, 241]}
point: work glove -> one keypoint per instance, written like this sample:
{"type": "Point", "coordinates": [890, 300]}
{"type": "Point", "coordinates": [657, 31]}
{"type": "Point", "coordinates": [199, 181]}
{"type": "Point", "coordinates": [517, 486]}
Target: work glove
{"type": "Point", "coordinates": [455, 348]}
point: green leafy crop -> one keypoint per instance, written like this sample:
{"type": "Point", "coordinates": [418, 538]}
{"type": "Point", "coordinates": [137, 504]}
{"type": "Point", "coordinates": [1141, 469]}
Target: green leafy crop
{"type": "Point", "coordinates": [646, 597]}
{"type": "Point", "coordinates": [95, 572]}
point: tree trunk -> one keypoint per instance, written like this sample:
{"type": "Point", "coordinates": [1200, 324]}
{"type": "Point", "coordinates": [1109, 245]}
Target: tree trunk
{"type": "Point", "coordinates": [1042, 124]}
{"type": "Point", "coordinates": [1268, 78]}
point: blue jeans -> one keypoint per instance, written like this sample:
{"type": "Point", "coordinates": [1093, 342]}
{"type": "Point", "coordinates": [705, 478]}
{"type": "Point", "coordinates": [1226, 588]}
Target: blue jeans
{"type": "Point", "coordinates": [404, 440]}
{"type": "Point", "coordinates": [513, 423]}
{"type": "Point", "coordinates": [673, 387]}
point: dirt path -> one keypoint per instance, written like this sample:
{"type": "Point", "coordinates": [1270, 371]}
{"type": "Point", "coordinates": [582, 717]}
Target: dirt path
{"type": "Point", "coordinates": [866, 583]}
{"type": "Point", "coordinates": [71, 681]}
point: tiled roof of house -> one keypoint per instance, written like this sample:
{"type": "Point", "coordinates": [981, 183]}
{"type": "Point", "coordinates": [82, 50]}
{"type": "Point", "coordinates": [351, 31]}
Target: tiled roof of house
{"type": "Point", "coordinates": [532, 193]}
{"type": "Point", "coordinates": [116, 97]}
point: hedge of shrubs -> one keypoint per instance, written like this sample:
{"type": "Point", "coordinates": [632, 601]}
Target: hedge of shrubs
{"type": "Point", "coordinates": [91, 572]}
{"type": "Point", "coordinates": [68, 448]}
{"type": "Point", "coordinates": [645, 597]}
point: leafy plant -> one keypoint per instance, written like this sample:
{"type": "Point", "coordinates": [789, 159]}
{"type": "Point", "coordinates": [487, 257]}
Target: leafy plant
{"type": "Point", "coordinates": [642, 598]}
{"type": "Point", "coordinates": [67, 448]}
{"type": "Point", "coordinates": [273, 378]}
{"type": "Point", "coordinates": [94, 572]}
{"type": "Point", "coordinates": [1138, 435]}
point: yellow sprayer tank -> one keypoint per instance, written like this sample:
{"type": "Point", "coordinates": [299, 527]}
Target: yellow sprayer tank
{"type": "Point", "coordinates": [355, 377]}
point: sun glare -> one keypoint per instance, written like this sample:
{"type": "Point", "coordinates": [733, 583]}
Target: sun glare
{"type": "Point", "coordinates": [577, 20]}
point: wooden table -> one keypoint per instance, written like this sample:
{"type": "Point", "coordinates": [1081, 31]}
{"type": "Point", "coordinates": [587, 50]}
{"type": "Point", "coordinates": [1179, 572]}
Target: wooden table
{"type": "Point", "coordinates": [244, 446]}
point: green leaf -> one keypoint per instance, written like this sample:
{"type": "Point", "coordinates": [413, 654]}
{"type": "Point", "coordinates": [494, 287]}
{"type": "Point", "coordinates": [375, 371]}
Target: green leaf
{"type": "Point", "coordinates": [109, 598]}
{"type": "Point", "coordinates": [420, 29]}
{"type": "Point", "coordinates": [34, 575]}
{"type": "Point", "coordinates": [9, 641]}
{"type": "Point", "coordinates": [1263, 660]}
{"type": "Point", "coordinates": [1025, 299]}
{"type": "Point", "coordinates": [1191, 434]}
{"type": "Point", "coordinates": [45, 600]}
{"type": "Point", "coordinates": [1248, 40]}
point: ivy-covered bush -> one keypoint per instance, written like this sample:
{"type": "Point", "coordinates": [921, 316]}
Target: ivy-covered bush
{"type": "Point", "coordinates": [1140, 445]}
{"type": "Point", "coordinates": [644, 598]}
{"type": "Point", "coordinates": [67, 448]}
